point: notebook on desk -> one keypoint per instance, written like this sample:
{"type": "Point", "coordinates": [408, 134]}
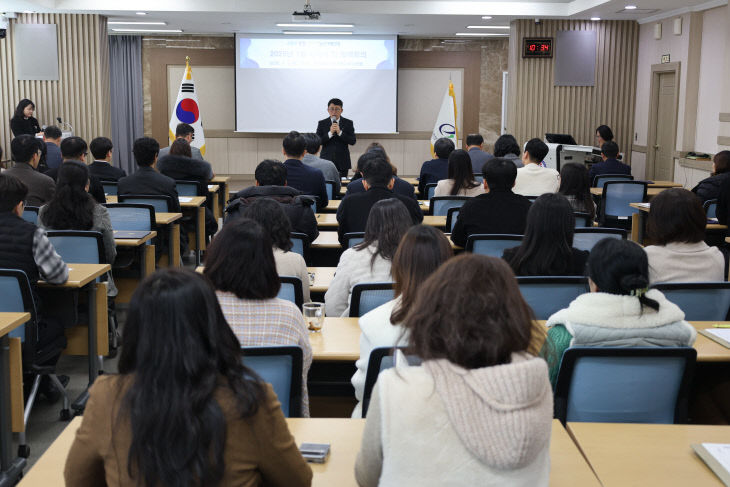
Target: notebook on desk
{"type": "Point", "coordinates": [185, 199]}
{"type": "Point", "coordinates": [130, 234]}
{"type": "Point", "coordinates": [717, 457]}
{"type": "Point", "coordinates": [719, 335]}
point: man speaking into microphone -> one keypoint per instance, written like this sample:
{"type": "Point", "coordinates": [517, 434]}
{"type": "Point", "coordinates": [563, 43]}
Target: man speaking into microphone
{"type": "Point", "coordinates": [336, 132]}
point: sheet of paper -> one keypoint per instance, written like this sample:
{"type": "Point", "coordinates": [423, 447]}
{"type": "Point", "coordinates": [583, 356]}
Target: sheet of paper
{"type": "Point", "coordinates": [721, 333]}
{"type": "Point", "coordinates": [721, 453]}
{"type": "Point", "coordinates": [185, 199]}
{"type": "Point", "coordinates": [210, 187]}
{"type": "Point", "coordinates": [643, 205]}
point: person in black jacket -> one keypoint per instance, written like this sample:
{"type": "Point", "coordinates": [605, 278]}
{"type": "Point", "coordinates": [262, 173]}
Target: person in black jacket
{"type": "Point", "coordinates": [74, 149]}
{"type": "Point", "coordinates": [709, 188]}
{"type": "Point", "coordinates": [271, 183]}
{"type": "Point", "coordinates": [101, 149]}
{"type": "Point", "coordinates": [497, 211]}
{"type": "Point", "coordinates": [399, 186]}
{"type": "Point", "coordinates": [23, 121]}
{"type": "Point", "coordinates": [352, 214]}
{"type": "Point", "coordinates": [147, 180]}
{"type": "Point", "coordinates": [437, 169]}
{"type": "Point", "coordinates": [336, 132]}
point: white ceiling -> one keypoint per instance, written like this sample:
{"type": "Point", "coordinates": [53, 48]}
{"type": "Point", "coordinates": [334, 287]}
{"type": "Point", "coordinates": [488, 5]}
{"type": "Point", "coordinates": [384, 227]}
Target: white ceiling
{"type": "Point", "coordinates": [413, 18]}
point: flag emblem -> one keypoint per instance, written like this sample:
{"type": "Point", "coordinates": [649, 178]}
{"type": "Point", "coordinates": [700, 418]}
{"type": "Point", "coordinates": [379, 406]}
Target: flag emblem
{"type": "Point", "coordinates": [187, 110]}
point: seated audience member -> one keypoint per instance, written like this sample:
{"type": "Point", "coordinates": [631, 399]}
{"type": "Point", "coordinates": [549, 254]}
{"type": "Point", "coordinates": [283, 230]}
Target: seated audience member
{"type": "Point", "coordinates": [437, 169]}
{"type": "Point", "coordinates": [352, 214]}
{"type": "Point", "coordinates": [575, 186]}
{"type": "Point", "coordinates": [497, 211]}
{"type": "Point", "coordinates": [26, 154]}
{"type": "Point", "coordinates": [74, 150]}
{"type": "Point", "coordinates": [709, 188]}
{"type": "Point", "coordinates": [147, 180]}
{"type": "Point", "coordinates": [478, 410]}
{"type": "Point", "coordinates": [42, 166]}
{"type": "Point", "coordinates": [618, 311]}
{"type": "Point", "coordinates": [507, 147]}
{"type": "Point", "coordinates": [267, 213]}
{"type": "Point", "coordinates": [547, 247]}
{"type": "Point", "coordinates": [311, 158]}
{"type": "Point", "coordinates": [52, 138]}
{"type": "Point", "coordinates": [240, 265]}
{"type": "Point", "coordinates": [26, 247]}
{"type": "Point", "coordinates": [400, 186]}
{"type": "Point", "coordinates": [271, 183]}
{"type": "Point", "coordinates": [477, 155]}
{"type": "Point", "coordinates": [72, 208]}
{"type": "Point", "coordinates": [185, 132]}
{"type": "Point", "coordinates": [306, 179]}
{"type": "Point", "coordinates": [219, 423]}
{"type": "Point", "coordinates": [461, 180]}
{"type": "Point", "coordinates": [676, 225]}
{"type": "Point", "coordinates": [421, 251]}
{"type": "Point", "coordinates": [603, 134]}
{"type": "Point", "coordinates": [101, 149]}
{"type": "Point", "coordinates": [609, 164]}
{"type": "Point", "coordinates": [368, 261]}
{"type": "Point", "coordinates": [533, 179]}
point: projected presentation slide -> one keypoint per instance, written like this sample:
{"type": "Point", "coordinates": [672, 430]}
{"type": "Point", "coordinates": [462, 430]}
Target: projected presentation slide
{"type": "Point", "coordinates": [284, 82]}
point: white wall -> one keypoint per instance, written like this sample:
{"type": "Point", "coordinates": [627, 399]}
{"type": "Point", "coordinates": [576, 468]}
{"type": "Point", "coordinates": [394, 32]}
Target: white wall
{"type": "Point", "coordinates": [711, 79]}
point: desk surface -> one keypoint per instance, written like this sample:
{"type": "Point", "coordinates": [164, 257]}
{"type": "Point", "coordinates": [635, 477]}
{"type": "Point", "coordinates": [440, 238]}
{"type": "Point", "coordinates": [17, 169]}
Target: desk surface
{"type": "Point", "coordinates": [166, 218]}
{"type": "Point", "coordinates": [322, 278]}
{"type": "Point", "coordinates": [328, 240]}
{"type": "Point", "coordinates": [648, 454]}
{"type": "Point", "coordinates": [79, 275]}
{"type": "Point", "coordinates": [220, 179]}
{"type": "Point", "coordinates": [339, 340]}
{"type": "Point", "coordinates": [651, 191]}
{"type": "Point", "coordinates": [329, 220]}
{"type": "Point", "coordinates": [10, 321]}
{"type": "Point", "coordinates": [135, 242]}
{"type": "Point", "coordinates": [332, 205]}
{"type": "Point", "coordinates": [665, 184]}
{"type": "Point", "coordinates": [190, 201]}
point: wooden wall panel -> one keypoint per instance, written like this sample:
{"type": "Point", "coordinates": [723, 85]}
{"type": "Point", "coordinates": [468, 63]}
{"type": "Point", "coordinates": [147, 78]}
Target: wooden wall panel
{"type": "Point", "coordinates": [537, 106]}
{"type": "Point", "coordinates": [81, 94]}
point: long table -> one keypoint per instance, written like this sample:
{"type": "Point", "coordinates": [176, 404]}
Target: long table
{"type": "Point", "coordinates": [332, 205]}
{"type": "Point", "coordinates": [638, 222]}
{"type": "Point", "coordinates": [328, 240]}
{"type": "Point", "coordinates": [329, 220]}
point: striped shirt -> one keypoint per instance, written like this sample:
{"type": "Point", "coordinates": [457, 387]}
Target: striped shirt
{"type": "Point", "coordinates": [269, 322]}
{"type": "Point", "coordinates": [50, 265]}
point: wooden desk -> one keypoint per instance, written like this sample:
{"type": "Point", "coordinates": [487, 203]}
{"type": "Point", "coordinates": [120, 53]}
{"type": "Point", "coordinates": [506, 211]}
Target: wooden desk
{"type": "Point", "coordinates": [223, 183]}
{"type": "Point", "coordinates": [332, 206]}
{"type": "Point", "coordinates": [82, 277]}
{"type": "Point", "coordinates": [213, 190]}
{"type": "Point", "coordinates": [665, 184]}
{"type": "Point", "coordinates": [329, 220]}
{"type": "Point", "coordinates": [133, 242]}
{"type": "Point", "coordinates": [567, 465]}
{"type": "Point", "coordinates": [195, 205]}
{"type": "Point", "coordinates": [339, 340]}
{"type": "Point", "coordinates": [648, 454]}
{"type": "Point", "coordinates": [328, 240]}
{"type": "Point", "coordinates": [651, 191]}
{"type": "Point", "coordinates": [9, 395]}
{"type": "Point", "coordinates": [173, 238]}
{"type": "Point", "coordinates": [48, 470]}
{"type": "Point", "coordinates": [638, 223]}
{"type": "Point", "coordinates": [709, 350]}
{"type": "Point", "coordinates": [322, 278]}
{"type": "Point", "coordinates": [146, 254]}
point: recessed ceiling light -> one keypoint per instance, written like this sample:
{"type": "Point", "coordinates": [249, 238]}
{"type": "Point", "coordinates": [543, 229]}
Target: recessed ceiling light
{"type": "Point", "coordinates": [320, 26]}
{"type": "Point", "coordinates": [500, 27]}
{"type": "Point", "coordinates": [486, 17]}
{"type": "Point", "coordinates": [141, 13]}
{"type": "Point", "coordinates": [132, 22]}
{"type": "Point", "coordinates": [169, 31]}
{"type": "Point", "coordinates": [318, 33]}
{"type": "Point", "coordinates": [630, 7]}
{"type": "Point", "coordinates": [480, 34]}
{"type": "Point", "coordinates": [595, 19]}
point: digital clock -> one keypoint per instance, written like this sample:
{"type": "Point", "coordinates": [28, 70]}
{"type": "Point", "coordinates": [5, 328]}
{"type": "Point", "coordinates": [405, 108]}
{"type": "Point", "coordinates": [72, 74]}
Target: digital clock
{"type": "Point", "coordinates": [542, 47]}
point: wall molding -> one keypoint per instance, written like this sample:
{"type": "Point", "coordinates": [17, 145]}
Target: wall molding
{"type": "Point", "coordinates": [695, 164]}
{"type": "Point", "coordinates": [684, 10]}
{"type": "Point", "coordinates": [723, 140]}
{"type": "Point", "coordinates": [724, 117]}
{"type": "Point", "coordinates": [639, 148]}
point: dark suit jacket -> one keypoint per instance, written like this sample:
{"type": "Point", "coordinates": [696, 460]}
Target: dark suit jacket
{"type": "Point", "coordinates": [148, 181]}
{"type": "Point", "coordinates": [306, 179]}
{"type": "Point", "coordinates": [432, 171]}
{"type": "Point", "coordinates": [493, 212]}
{"type": "Point", "coordinates": [399, 187]}
{"type": "Point", "coordinates": [478, 159]}
{"type": "Point", "coordinates": [105, 171]}
{"type": "Point", "coordinates": [352, 214]}
{"type": "Point", "coordinates": [336, 148]}
{"type": "Point", "coordinates": [609, 166]}
{"type": "Point", "coordinates": [95, 188]}
{"type": "Point", "coordinates": [185, 168]}
{"type": "Point", "coordinates": [41, 187]}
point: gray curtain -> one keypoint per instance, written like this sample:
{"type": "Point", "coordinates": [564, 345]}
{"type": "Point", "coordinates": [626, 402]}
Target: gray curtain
{"type": "Point", "coordinates": [125, 70]}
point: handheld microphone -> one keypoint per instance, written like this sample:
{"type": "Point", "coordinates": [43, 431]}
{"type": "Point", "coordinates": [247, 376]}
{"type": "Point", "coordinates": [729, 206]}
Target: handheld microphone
{"type": "Point", "coordinates": [59, 120]}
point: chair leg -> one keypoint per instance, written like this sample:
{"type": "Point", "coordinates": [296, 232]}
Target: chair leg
{"type": "Point", "coordinates": [65, 412]}
{"type": "Point", "coordinates": [31, 398]}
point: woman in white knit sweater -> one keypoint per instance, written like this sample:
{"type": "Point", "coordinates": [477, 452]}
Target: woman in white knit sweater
{"type": "Point", "coordinates": [368, 261]}
{"type": "Point", "coordinates": [478, 411]}
{"type": "Point", "coordinates": [421, 251]}
{"type": "Point", "coordinates": [676, 226]}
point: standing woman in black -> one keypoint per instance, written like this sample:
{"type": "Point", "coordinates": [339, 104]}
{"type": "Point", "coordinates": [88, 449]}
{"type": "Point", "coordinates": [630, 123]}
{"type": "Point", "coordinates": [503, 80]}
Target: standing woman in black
{"type": "Point", "coordinates": [23, 121]}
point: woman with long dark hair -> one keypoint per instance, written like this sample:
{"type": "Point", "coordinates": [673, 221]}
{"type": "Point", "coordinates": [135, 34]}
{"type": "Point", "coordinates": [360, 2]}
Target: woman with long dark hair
{"type": "Point", "coordinates": [709, 188]}
{"type": "Point", "coordinates": [478, 410]}
{"type": "Point", "coordinates": [603, 134]}
{"type": "Point", "coordinates": [576, 186]}
{"type": "Point", "coordinates": [23, 121]}
{"type": "Point", "coordinates": [461, 180]}
{"type": "Point", "coordinates": [184, 410]}
{"type": "Point", "coordinates": [369, 261]}
{"type": "Point", "coordinates": [506, 147]}
{"type": "Point", "coordinates": [421, 251]}
{"type": "Point", "coordinates": [547, 247]}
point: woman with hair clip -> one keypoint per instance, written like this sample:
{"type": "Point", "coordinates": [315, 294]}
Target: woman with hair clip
{"type": "Point", "coordinates": [575, 185]}
{"type": "Point", "coordinates": [368, 261]}
{"type": "Point", "coordinates": [478, 411]}
{"type": "Point", "coordinates": [73, 208]}
{"type": "Point", "coordinates": [461, 180]}
{"type": "Point", "coordinates": [619, 310]}
{"type": "Point", "coordinates": [23, 121]}
{"type": "Point", "coordinates": [421, 251]}
{"type": "Point", "coordinates": [547, 247]}
{"type": "Point", "coordinates": [183, 410]}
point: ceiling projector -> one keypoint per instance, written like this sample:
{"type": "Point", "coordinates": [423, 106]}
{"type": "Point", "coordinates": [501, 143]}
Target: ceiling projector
{"type": "Point", "coordinates": [306, 15]}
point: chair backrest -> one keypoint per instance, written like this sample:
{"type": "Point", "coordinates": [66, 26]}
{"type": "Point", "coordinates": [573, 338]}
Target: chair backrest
{"type": "Point", "coordinates": [439, 205]}
{"type": "Point", "coordinates": [430, 190]}
{"type": "Point", "coordinates": [549, 294]}
{"type": "Point", "coordinates": [381, 358]}
{"type": "Point", "coordinates": [624, 385]}
{"type": "Point", "coordinates": [582, 220]}
{"type": "Point", "coordinates": [492, 245]}
{"type": "Point", "coordinates": [301, 243]}
{"type": "Point", "coordinates": [79, 247]}
{"type": "Point", "coordinates": [700, 301]}
{"type": "Point", "coordinates": [479, 178]}
{"type": "Point", "coordinates": [600, 180]}
{"type": "Point", "coordinates": [16, 296]}
{"type": "Point", "coordinates": [131, 216]}
{"type": "Point", "coordinates": [160, 203]}
{"type": "Point", "coordinates": [711, 208]}
{"type": "Point", "coordinates": [281, 367]}
{"type": "Point", "coordinates": [329, 187]}
{"type": "Point", "coordinates": [110, 187]}
{"type": "Point", "coordinates": [190, 188]}
{"type": "Point", "coordinates": [30, 214]}
{"type": "Point", "coordinates": [368, 296]}
{"type": "Point", "coordinates": [354, 238]}
{"type": "Point", "coordinates": [291, 290]}
{"type": "Point", "coordinates": [618, 195]}
{"type": "Point", "coordinates": [451, 216]}
{"type": "Point", "coordinates": [586, 238]}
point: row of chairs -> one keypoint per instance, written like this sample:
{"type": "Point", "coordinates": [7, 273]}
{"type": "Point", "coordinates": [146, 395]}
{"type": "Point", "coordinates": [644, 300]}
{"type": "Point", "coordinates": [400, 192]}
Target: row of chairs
{"type": "Point", "coordinates": [183, 187]}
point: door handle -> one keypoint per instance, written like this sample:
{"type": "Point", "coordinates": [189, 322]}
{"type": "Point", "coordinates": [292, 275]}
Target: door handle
{"type": "Point", "coordinates": [656, 147]}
